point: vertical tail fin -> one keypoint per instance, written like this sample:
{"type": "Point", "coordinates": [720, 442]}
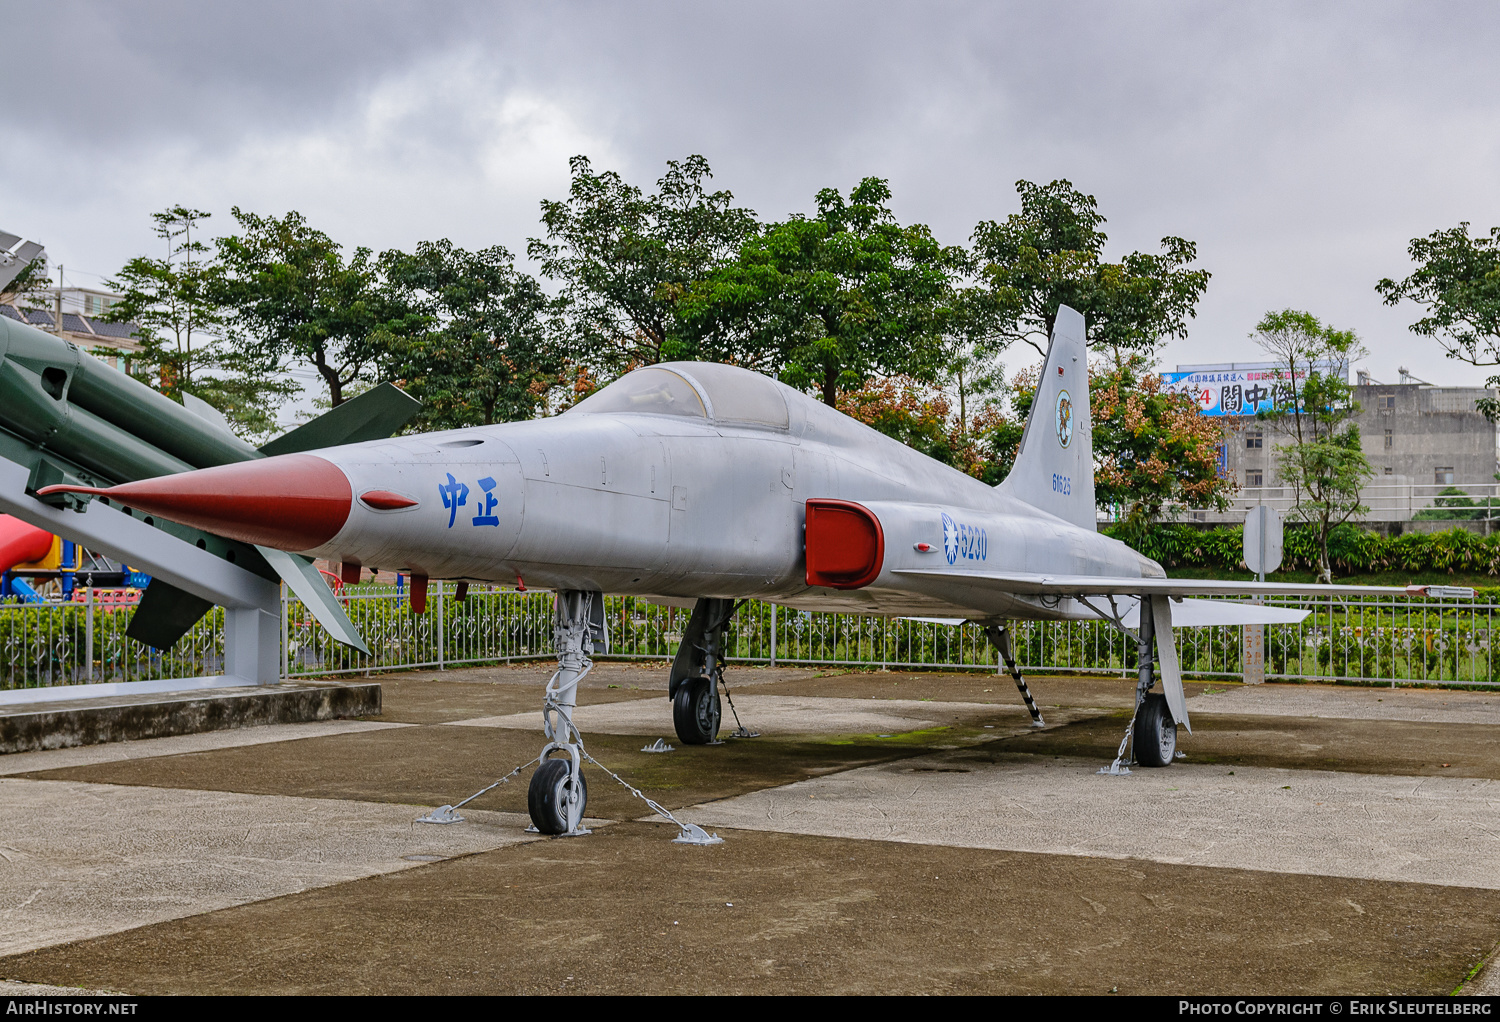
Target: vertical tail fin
{"type": "Point", "coordinates": [1054, 468]}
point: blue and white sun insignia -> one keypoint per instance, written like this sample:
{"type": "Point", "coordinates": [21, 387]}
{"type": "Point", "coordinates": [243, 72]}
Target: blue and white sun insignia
{"type": "Point", "coordinates": [950, 538]}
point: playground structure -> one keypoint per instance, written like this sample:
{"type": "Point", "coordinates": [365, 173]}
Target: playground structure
{"type": "Point", "coordinates": [37, 566]}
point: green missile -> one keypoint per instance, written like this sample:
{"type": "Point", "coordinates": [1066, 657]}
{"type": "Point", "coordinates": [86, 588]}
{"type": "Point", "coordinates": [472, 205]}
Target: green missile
{"type": "Point", "coordinates": [71, 419]}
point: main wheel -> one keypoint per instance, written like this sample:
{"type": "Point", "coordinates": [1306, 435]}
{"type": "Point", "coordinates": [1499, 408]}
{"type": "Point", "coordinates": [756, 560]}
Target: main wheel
{"type": "Point", "coordinates": [1155, 732]}
{"type": "Point", "coordinates": [695, 711]}
{"type": "Point", "coordinates": [556, 808]}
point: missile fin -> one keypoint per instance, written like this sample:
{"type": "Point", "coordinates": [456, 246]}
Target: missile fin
{"type": "Point", "coordinates": [164, 615]}
{"type": "Point", "coordinates": [307, 582]}
{"type": "Point", "coordinates": [205, 411]}
{"type": "Point", "coordinates": [373, 415]}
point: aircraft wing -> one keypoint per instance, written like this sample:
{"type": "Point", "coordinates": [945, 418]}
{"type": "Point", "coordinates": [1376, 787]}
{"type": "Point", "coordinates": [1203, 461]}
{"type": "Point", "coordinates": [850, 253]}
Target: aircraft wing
{"type": "Point", "coordinates": [1108, 585]}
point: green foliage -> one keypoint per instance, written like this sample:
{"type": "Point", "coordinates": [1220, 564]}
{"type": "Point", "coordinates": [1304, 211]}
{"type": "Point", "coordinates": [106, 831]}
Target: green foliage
{"type": "Point", "coordinates": [1051, 254]}
{"type": "Point", "coordinates": [1457, 283]}
{"type": "Point", "coordinates": [1453, 504]}
{"type": "Point", "coordinates": [1323, 460]}
{"type": "Point", "coordinates": [834, 299]}
{"type": "Point", "coordinates": [30, 286]}
{"type": "Point", "coordinates": [174, 303]}
{"type": "Point", "coordinates": [1351, 550]}
{"type": "Point", "coordinates": [290, 296]}
{"type": "Point", "coordinates": [475, 341]}
{"type": "Point", "coordinates": [626, 261]}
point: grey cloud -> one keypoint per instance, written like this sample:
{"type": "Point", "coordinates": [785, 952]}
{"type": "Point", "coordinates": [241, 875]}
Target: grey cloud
{"type": "Point", "coordinates": [1300, 145]}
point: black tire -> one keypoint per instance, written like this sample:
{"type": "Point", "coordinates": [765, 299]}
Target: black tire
{"type": "Point", "coordinates": [696, 711]}
{"type": "Point", "coordinates": [552, 811]}
{"type": "Point", "coordinates": [1155, 732]}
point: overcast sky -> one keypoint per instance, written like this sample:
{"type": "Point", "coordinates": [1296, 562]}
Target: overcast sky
{"type": "Point", "coordinates": [1300, 145]}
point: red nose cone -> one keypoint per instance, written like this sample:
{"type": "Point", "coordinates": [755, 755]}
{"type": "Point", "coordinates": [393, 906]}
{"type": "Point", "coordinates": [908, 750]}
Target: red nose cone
{"type": "Point", "coordinates": [290, 502]}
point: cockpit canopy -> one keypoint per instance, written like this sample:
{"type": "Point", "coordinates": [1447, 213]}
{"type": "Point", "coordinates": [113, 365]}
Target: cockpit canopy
{"type": "Point", "coordinates": [702, 390]}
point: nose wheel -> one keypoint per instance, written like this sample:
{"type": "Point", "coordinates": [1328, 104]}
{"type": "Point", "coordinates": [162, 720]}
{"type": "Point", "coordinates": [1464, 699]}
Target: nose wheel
{"type": "Point", "coordinates": [1155, 732]}
{"type": "Point", "coordinates": [555, 801]}
{"type": "Point", "coordinates": [696, 711]}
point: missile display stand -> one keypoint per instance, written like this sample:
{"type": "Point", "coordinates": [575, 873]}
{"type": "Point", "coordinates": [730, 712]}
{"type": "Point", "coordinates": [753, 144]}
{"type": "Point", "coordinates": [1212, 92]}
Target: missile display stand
{"type": "Point", "coordinates": [252, 605]}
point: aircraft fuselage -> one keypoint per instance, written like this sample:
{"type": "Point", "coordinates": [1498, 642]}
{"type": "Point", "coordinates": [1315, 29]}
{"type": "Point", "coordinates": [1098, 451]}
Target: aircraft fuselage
{"type": "Point", "coordinates": [684, 507]}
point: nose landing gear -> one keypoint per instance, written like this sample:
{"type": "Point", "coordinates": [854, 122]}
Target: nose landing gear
{"type": "Point", "coordinates": [558, 793]}
{"type": "Point", "coordinates": [557, 798]}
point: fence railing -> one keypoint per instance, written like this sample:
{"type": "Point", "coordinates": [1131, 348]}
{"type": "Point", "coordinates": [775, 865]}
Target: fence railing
{"type": "Point", "coordinates": [1387, 502]}
{"type": "Point", "coordinates": [1365, 639]}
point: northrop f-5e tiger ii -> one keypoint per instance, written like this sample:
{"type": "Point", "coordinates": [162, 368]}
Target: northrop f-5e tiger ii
{"type": "Point", "coordinates": [711, 483]}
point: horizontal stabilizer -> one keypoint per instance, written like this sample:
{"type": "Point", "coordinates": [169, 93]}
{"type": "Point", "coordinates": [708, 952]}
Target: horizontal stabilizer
{"type": "Point", "coordinates": [307, 582]}
{"type": "Point", "coordinates": [1023, 584]}
{"type": "Point", "coordinates": [373, 415]}
{"type": "Point", "coordinates": [1207, 613]}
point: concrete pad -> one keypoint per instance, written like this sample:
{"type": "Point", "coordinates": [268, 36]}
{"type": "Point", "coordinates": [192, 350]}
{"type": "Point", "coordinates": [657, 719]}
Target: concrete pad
{"type": "Point", "coordinates": [626, 911]}
{"type": "Point", "coordinates": [115, 752]}
{"type": "Point", "coordinates": [79, 860]}
{"type": "Point", "coordinates": [1415, 748]}
{"type": "Point", "coordinates": [771, 715]}
{"type": "Point", "coordinates": [1412, 829]}
{"type": "Point", "coordinates": [1436, 705]}
{"type": "Point", "coordinates": [9, 988]}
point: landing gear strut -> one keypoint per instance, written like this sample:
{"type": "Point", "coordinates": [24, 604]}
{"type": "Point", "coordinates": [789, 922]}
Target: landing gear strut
{"type": "Point", "coordinates": [999, 636]}
{"type": "Point", "coordinates": [698, 671]}
{"type": "Point", "coordinates": [558, 793]}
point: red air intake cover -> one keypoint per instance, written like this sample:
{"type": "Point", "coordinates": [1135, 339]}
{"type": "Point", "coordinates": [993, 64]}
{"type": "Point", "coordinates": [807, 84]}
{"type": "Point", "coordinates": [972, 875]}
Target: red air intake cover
{"type": "Point", "coordinates": [845, 544]}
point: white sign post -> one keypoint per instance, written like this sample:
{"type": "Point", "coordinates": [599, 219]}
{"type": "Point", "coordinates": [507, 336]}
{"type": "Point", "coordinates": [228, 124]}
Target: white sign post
{"type": "Point", "coordinates": [1263, 546]}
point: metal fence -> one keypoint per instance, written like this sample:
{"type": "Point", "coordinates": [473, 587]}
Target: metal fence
{"type": "Point", "coordinates": [1350, 639]}
{"type": "Point", "coordinates": [1387, 502]}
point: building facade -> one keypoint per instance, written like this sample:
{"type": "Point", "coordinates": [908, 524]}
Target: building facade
{"type": "Point", "coordinates": [1420, 440]}
{"type": "Point", "coordinates": [81, 309]}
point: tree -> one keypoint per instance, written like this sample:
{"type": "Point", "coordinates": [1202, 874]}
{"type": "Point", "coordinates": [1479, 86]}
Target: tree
{"type": "Point", "coordinates": [1457, 282]}
{"type": "Point", "coordinates": [30, 285]}
{"type": "Point", "coordinates": [1051, 254]}
{"type": "Point", "coordinates": [173, 304]}
{"type": "Point", "coordinates": [626, 260]}
{"type": "Point", "coordinates": [476, 342]}
{"type": "Point", "coordinates": [290, 297]}
{"type": "Point", "coordinates": [971, 358]}
{"type": "Point", "coordinates": [836, 298]}
{"type": "Point", "coordinates": [170, 302]}
{"type": "Point", "coordinates": [1152, 448]}
{"type": "Point", "coordinates": [1322, 459]}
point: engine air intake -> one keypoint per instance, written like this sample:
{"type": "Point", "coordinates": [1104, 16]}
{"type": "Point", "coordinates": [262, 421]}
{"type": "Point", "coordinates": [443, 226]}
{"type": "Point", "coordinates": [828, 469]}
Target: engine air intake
{"type": "Point", "coordinates": [845, 544]}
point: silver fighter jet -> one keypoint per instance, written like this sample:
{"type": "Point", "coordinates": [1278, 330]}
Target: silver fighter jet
{"type": "Point", "coordinates": [710, 483]}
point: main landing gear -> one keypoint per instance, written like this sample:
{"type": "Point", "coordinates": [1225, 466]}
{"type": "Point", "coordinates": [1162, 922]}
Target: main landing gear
{"type": "Point", "coordinates": [559, 794]}
{"type": "Point", "coordinates": [1154, 739]}
{"type": "Point", "coordinates": [697, 674]}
